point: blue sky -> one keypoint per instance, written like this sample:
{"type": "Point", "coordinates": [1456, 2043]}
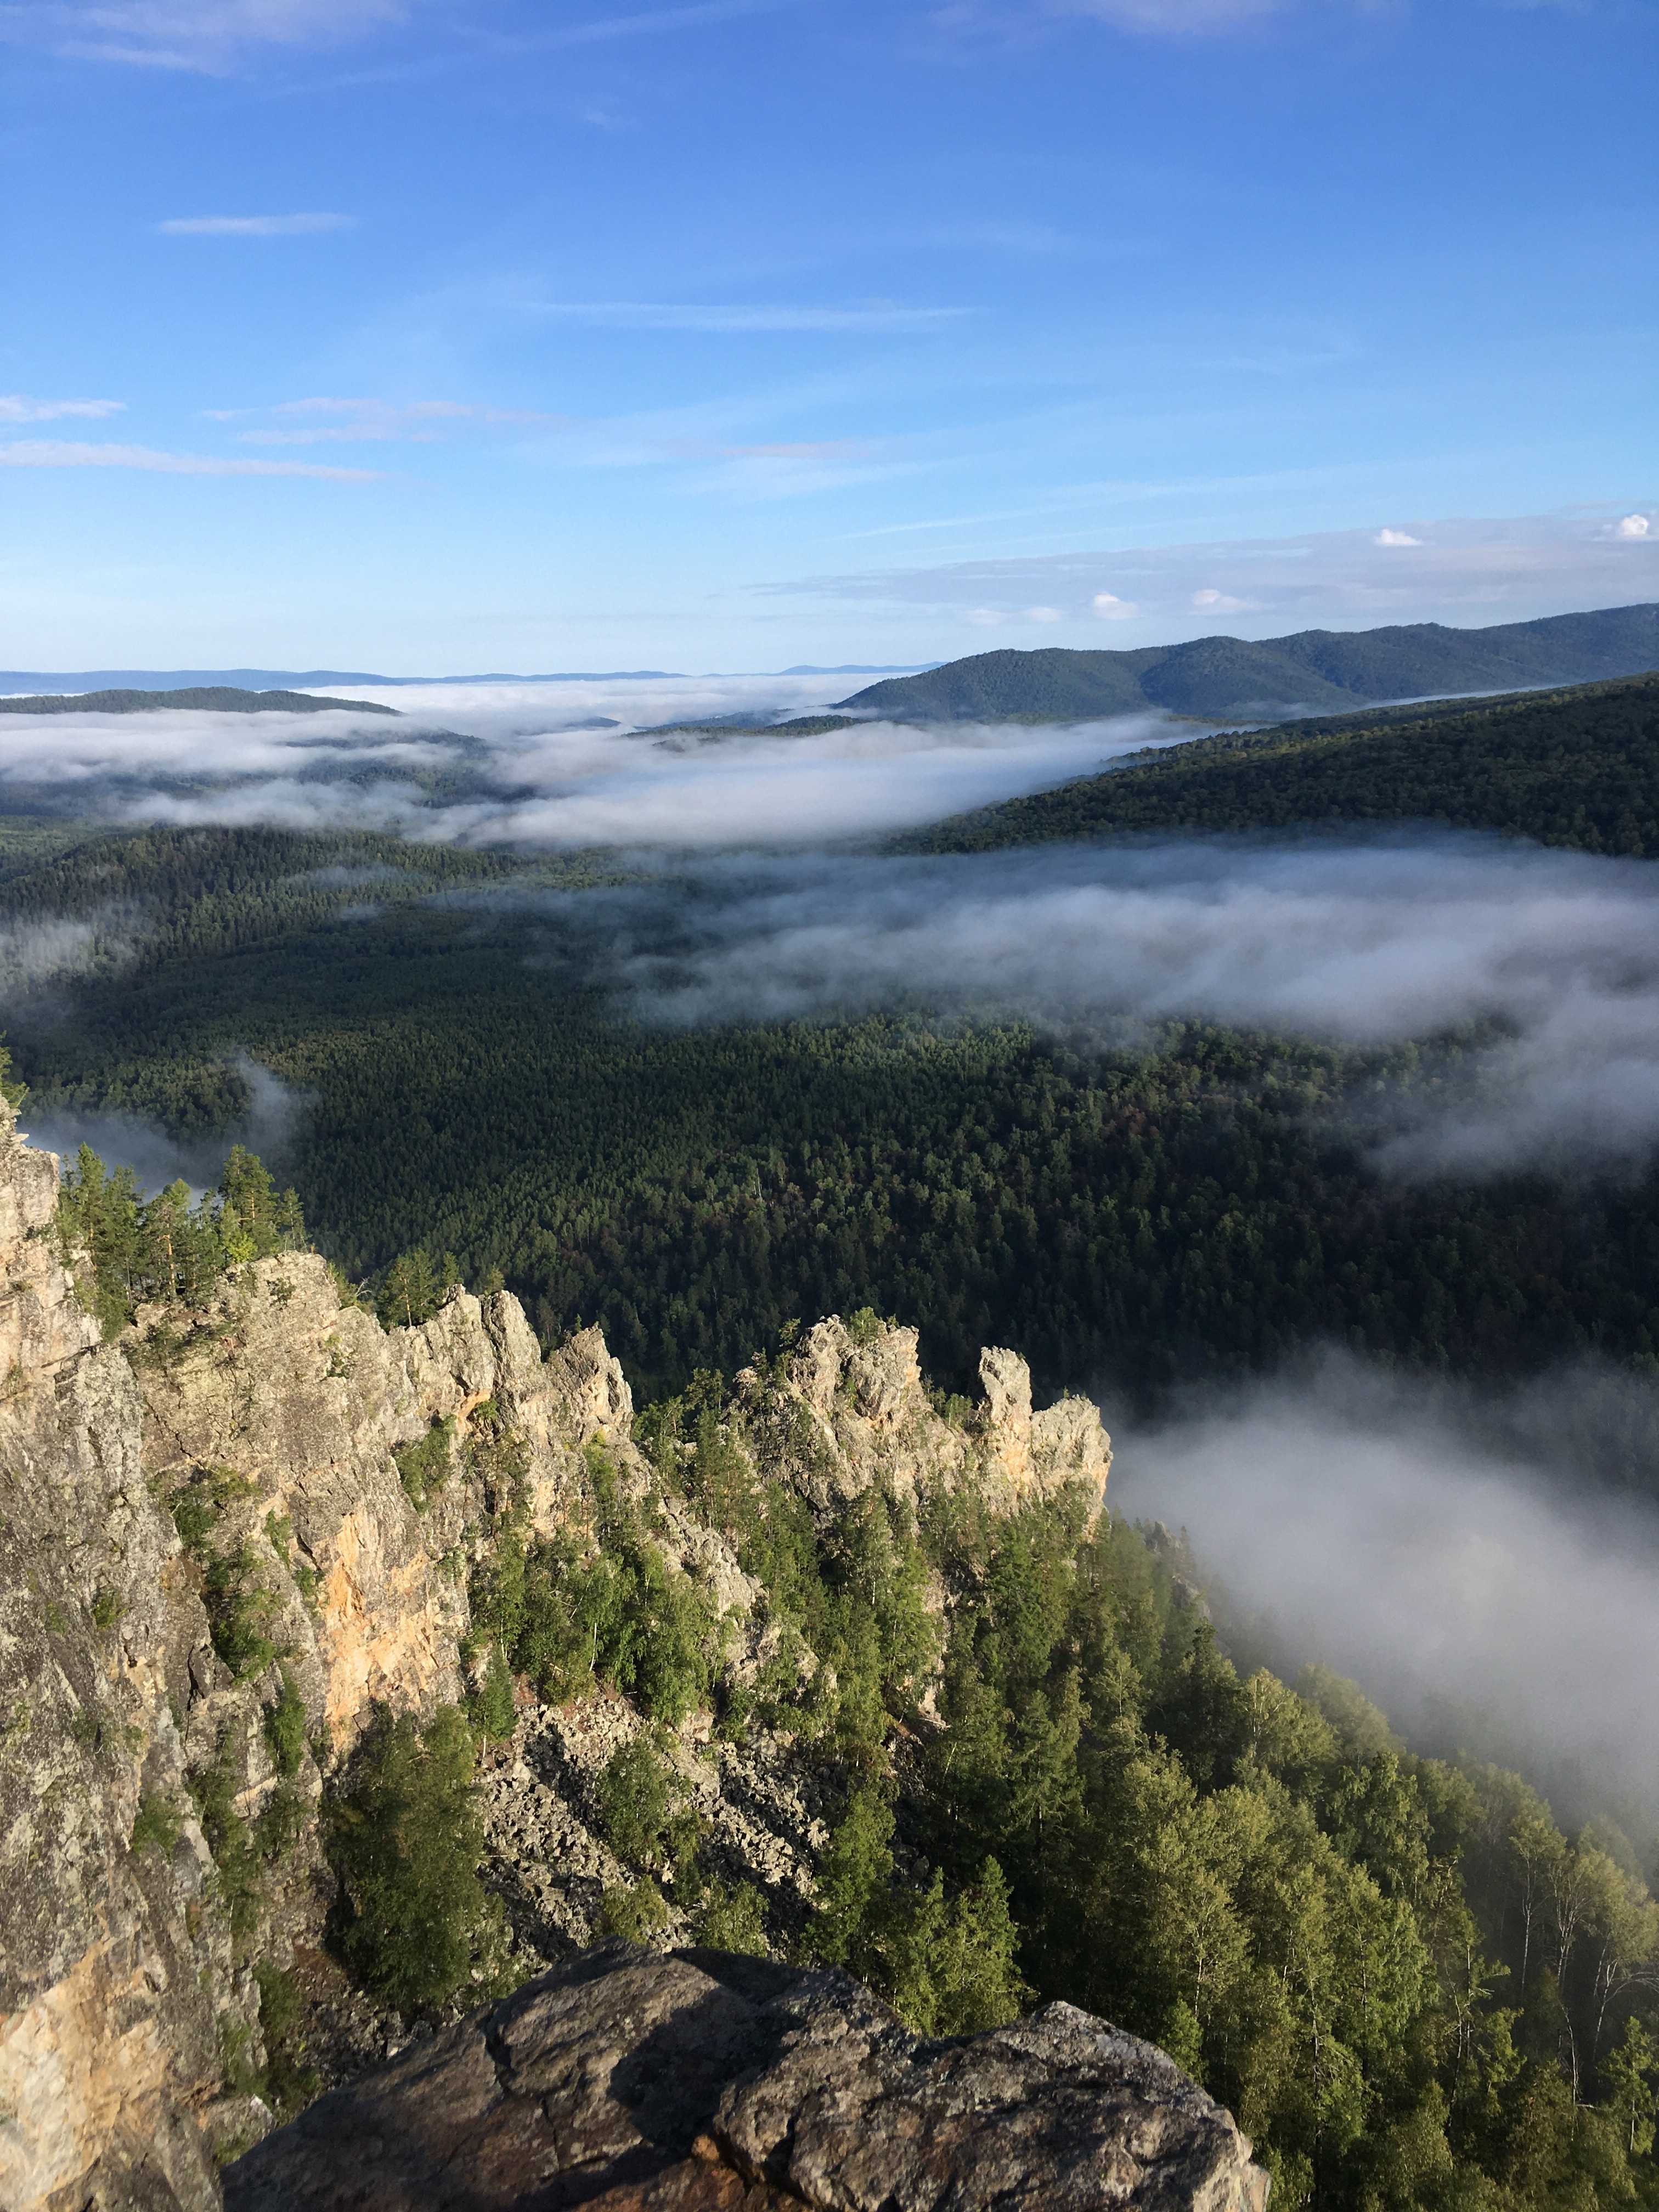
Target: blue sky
{"type": "Point", "coordinates": [420, 337]}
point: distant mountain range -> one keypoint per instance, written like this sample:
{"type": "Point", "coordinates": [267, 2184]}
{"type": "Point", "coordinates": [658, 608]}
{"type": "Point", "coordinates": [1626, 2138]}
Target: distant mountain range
{"type": "Point", "coordinates": [1322, 669]}
{"type": "Point", "coordinates": [221, 698]}
{"type": "Point", "coordinates": [304, 679]}
{"type": "Point", "coordinates": [299, 679]}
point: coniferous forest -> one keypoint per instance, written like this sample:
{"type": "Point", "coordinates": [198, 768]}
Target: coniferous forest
{"type": "Point", "coordinates": [1413, 1985]}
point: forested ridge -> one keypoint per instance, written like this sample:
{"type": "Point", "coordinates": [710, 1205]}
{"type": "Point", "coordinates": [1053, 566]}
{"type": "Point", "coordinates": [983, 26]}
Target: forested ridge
{"type": "Point", "coordinates": [219, 698]}
{"type": "Point", "coordinates": [1578, 768]}
{"type": "Point", "coordinates": [1220, 677]}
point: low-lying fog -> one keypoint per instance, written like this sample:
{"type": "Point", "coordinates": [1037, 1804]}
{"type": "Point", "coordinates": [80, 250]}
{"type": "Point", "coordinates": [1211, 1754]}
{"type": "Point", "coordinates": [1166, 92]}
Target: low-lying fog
{"type": "Point", "coordinates": [478, 763]}
{"type": "Point", "coordinates": [1373, 941]}
{"type": "Point", "coordinates": [156, 1159]}
{"type": "Point", "coordinates": [1444, 1548]}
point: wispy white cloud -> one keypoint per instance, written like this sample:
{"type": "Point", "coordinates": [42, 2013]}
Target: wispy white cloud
{"type": "Point", "coordinates": [670, 315]}
{"type": "Point", "coordinates": [252, 226]}
{"type": "Point", "coordinates": [1177, 18]}
{"type": "Point", "coordinates": [61, 453]}
{"type": "Point", "coordinates": [211, 37]}
{"type": "Point", "coordinates": [355, 421]}
{"type": "Point", "coordinates": [1027, 242]}
{"type": "Point", "coordinates": [1463, 571]}
{"type": "Point", "coordinates": [800, 449]}
{"type": "Point", "coordinates": [644, 21]}
{"type": "Point", "coordinates": [17, 407]}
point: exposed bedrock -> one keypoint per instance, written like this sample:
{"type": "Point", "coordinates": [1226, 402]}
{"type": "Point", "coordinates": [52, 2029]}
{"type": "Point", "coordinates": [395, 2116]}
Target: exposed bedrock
{"type": "Point", "coordinates": [696, 2081]}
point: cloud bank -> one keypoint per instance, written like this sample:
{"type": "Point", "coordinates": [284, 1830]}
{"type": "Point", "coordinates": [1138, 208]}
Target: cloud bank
{"type": "Point", "coordinates": [1440, 1549]}
{"type": "Point", "coordinates": [507, 765]}
{"type": "Point", "coordinates": [1549, 960]}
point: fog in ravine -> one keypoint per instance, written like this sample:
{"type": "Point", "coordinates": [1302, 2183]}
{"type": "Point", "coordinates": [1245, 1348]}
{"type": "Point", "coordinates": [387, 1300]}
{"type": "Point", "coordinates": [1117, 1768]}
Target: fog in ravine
{"type": "Point", "coordinates": [267, 1127]}
{"type": "Point", "coordinates": [1470, 1558]}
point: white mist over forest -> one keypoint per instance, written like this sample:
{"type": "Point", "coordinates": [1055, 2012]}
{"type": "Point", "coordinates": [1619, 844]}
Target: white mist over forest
{"type": "Point", "coordinates": [1452, 1550]}
{"type": "Point", "coordinates": [1543, 966]}
{"type": "Point", "coordinates": [554, 766]}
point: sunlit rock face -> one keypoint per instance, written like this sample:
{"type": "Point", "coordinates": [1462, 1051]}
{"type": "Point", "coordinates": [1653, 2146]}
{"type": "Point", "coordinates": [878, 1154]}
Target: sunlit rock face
{"type": "Point", "coordinates": [128, 2011]}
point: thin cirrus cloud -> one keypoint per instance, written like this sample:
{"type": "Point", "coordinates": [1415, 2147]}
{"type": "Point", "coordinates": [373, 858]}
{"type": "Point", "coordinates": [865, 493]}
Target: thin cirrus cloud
{"type": "Point", "coordinates": [18, 407]}
{"type": "Point", "coordinates": [670, 315]}
{"type": "Point", "coordinates": [321, 421]}
{"type": "Point", "coordinates": [994, 617]}
{"type": "Point", "coordinates": [208, 37]}
{"type": "Point", "coordinates": [61, 454]}
{"type": "Point", "coordinates": [252, 226]}
{"type": "Point", "coordinates": [1176, 18]}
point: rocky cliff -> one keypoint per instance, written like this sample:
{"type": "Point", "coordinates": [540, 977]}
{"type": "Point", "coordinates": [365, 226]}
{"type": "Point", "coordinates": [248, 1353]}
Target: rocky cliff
{"type": "Point", "coordinates": [231, 1535]}
{"type": "Point", "coordinates": [700, 2082]}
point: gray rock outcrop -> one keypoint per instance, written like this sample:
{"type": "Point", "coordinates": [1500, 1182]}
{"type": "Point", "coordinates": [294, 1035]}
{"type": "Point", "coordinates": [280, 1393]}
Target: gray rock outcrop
{"type": "Point", "coordinates": [696, 2081]}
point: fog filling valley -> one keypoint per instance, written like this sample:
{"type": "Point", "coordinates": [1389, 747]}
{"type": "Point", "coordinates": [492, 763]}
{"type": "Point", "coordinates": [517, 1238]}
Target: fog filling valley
{"type": "Point", "coordinates": [551, 765]}
{"type": "Point", "coordinates": [1427, 1543]}
{"type": "Point", "coordinates": [1451, 1551]}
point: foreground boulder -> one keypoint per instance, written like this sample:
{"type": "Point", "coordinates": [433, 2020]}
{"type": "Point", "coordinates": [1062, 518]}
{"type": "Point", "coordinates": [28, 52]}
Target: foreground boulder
{"type": "Point", "coordinates": [697, 2081]}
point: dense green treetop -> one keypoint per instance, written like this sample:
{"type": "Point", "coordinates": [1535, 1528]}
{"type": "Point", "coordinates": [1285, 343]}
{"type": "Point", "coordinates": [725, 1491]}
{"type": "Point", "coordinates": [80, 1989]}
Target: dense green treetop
{"type": "Point", "coordinates": [1578, 768]}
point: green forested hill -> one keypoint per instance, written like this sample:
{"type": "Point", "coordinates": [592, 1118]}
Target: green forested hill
{"type": "Point", "coordinates": [1221, 676]}
{"type": "Point", "coordinates": [221, 698]}
{"type": "Point", "coordinates": [1578, 768]}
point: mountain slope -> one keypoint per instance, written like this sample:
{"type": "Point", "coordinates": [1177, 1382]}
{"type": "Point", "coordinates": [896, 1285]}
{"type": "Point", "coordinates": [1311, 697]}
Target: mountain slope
{"type": "Point", "coordinates": [1314, 668]}
{"type": "Point", "coordinates": [1578, 768]}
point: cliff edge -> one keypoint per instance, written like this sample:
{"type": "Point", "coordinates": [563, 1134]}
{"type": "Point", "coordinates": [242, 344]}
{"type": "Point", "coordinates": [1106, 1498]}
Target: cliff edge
{"type": "Point", "coordinates": [233, 1533]}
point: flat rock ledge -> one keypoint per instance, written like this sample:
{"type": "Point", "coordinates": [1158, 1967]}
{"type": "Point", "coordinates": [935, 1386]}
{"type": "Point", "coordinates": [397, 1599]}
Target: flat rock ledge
{"type": "Point", "coordinates": [694, 2081]}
